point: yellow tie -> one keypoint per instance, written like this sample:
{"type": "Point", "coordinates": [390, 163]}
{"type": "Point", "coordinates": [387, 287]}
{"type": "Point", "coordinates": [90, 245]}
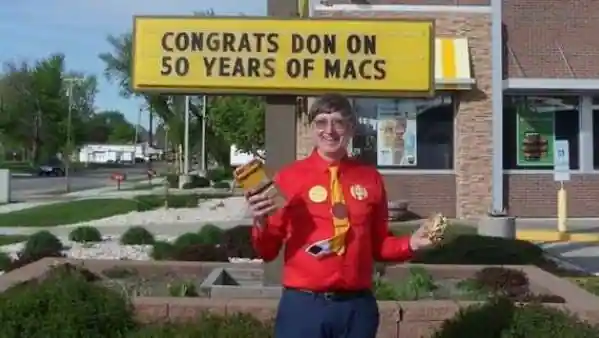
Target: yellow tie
{"type": "Point", "coordinates": [340, 220]}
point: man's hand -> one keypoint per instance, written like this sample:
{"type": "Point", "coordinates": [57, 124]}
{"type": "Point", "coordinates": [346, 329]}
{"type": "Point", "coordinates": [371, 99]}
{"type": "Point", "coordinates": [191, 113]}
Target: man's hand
{"type": "Point", "coordinates": [429, 233]}
{"type": "Point", "coordinates": [260, 206]}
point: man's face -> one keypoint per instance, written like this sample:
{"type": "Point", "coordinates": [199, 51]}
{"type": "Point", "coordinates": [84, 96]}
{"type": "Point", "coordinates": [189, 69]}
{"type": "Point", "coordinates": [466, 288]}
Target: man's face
{"type": "Point", "coordinates": [332, 132]}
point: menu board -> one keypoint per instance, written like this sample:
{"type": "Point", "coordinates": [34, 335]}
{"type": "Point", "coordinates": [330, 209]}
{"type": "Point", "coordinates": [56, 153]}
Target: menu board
{"type": "Point", "coordinates": [535, 136]}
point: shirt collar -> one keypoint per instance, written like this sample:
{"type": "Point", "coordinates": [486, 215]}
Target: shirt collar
{"type": "Point", "coordinates": [323, 165]}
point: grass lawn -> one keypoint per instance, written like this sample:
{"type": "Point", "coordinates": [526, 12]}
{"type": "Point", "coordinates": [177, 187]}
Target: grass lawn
{"type": "Point", "coordinates": [12, 239]}
{"type": "Point", "coordinates": [142, 186]}
{"type": "Point", "coordinates": [67, 212]}
{"type": "Point", "coordinates": [591, 284]}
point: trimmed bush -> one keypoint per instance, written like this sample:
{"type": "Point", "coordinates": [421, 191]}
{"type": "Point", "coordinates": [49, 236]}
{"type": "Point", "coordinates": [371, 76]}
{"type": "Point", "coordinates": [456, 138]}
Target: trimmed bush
{"type": "Point", "coordinates": [137, 236]}
{"type": "Point", "coordinates": [162, 250]}
{"type": "Point", "coordinates": [222, 185]}
{"type": "Point", "coordinates": [149, 202]}
{"type": "Point", "coordinates": [219, 174]}
{"type": "Point", "coordinates": [42, 243]}
{"type": "Point", "coordinates": [211, 234]}
{"type": "Point", "coordinates": [85, 234]}
{"type": "Point", "coordinates": [183, 201]}
{"type": "Point", "coordinates": [237, 242]}
{"type": "Point", "coordinates": [173, 180]}
{"type": "Point", "coordinates": [501, 318]}
{"type": "Point", "coordinates": [5, 261]}
{"type": "Point", "coordinates": [211, 325]}
{"type": "Point", "coordinates": [200, 253]}
{"type": "Point", "coordinates": [187, 239]}
{"type": "Point", "coordinates": [64, 304]}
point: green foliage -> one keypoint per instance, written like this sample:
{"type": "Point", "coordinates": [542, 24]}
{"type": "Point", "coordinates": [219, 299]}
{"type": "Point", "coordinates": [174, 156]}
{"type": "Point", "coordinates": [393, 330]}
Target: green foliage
{"type": "Point", "coordinates": [42, 243]}
{"type": "Point", "coordinates": [219, 174]}
{"type": "Point", "coordinates": [418, 284]}
{"type": "Point", "coordinates": [149, 202]}
{"type": "Point", "coordinates": [34, 106]}
{"type": "Point", "coordinates": [211, 325]}
{"type": "Point", "coordinates": [501, 318]}
{"type": "Point", "coordinates": [182, 289]}
{"type": "Point", "coordinates": [85, 234]}
{"type": "Point", "coordinates": [187, 239]}
{"type": "Point", "coordinates": [182, 201]}
{"type": "Point", "coordinates": [162, 250]}
{"type": "Point", "coordinates": [211, 234]}
{"type": "Point", "coordinates": [5, 261]}
{"type": "Point", "coordinates": [137, 236]}
{"type": "Point", "coordinates": [222, 185]}
{"type": "Point", "coordinates": [64, 305]}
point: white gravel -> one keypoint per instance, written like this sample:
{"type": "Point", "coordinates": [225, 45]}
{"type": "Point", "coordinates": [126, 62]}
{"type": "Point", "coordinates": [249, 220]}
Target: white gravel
{"type": "Point", "coordinates": [213, 210]}
{"type": "Point", "coordinates": [109, 248]}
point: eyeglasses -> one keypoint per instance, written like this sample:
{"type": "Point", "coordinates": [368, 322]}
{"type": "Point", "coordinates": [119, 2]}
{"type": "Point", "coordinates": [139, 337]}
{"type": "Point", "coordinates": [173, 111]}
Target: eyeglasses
{"type": "Point", "coordinates": [337, 124]}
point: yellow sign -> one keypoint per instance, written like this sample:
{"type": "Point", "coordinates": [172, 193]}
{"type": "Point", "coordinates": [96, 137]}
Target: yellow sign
{"type": "Point", "coordinates": [283, 56]}
{"type": "Point", "coordinates": [318, 194]}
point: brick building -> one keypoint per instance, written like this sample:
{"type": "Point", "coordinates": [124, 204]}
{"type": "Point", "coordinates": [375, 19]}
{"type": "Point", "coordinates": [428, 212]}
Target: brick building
{"type": "Point", "coordinates": [550, 72]}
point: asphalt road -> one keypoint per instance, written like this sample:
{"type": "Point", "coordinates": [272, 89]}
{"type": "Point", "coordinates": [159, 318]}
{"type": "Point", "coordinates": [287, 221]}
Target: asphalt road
{"type": "Point", "coordinates": [24, 188]}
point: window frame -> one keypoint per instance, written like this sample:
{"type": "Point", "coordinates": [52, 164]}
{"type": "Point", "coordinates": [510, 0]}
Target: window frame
{"type": "Point", "coordinates": [454, 102]}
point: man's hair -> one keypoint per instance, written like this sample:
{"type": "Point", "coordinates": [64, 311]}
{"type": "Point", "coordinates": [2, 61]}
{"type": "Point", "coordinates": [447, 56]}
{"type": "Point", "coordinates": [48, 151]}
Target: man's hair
{"type": "Point", "coordinates": [331, 103]}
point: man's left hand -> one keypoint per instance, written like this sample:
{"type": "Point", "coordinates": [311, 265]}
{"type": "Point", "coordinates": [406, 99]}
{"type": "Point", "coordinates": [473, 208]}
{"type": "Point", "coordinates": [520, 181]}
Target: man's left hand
{"type": "Point", "coordinates": [420, 239]}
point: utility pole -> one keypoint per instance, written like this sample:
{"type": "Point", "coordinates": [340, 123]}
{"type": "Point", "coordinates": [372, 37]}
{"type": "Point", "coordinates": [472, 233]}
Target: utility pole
{"type": "Point", "coordinates": [203, 164]}
{"type": "Point", "coordinates": [69, 142]}
{"type": "Point", "coordinates": [186, 139]}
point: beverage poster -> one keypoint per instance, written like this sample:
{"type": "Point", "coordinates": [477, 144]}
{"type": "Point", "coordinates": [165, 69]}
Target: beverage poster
{"type": "Point", "coordinates": [535, 137]}
{"type": "Point", "coordinates": [396, 134]}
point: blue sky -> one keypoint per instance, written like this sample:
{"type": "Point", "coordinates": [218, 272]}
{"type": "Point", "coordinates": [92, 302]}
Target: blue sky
{"type": "Point", "coordinates": [33, 29]}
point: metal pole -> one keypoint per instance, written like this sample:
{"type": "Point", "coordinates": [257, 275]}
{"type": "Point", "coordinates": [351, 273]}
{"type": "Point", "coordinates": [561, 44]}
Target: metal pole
{"type": "Point", "coordinates": [203, 164]}
{"type": "Point", "coordinates": [497, 103]}
{"type": "Point", "coordinates": [137, 127]}
{"type": "Point", "coordinates": [186, 141]}
{"type": "Point", "coordinates": [68, 152]}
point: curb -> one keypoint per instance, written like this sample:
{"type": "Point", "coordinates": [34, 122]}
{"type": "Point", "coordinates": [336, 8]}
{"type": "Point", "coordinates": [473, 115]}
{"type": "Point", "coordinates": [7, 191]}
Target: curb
{"type": "Point", "coordinates": [555, 236]}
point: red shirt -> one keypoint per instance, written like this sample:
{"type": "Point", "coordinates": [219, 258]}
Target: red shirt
{"type": "Point", "coordinates": [302, 222]}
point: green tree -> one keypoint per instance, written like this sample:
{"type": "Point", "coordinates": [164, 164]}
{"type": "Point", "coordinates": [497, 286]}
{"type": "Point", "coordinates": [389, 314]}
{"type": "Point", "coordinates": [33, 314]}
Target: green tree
{"type": "Point", "coordinates": [110, 127]}
{"type": "Point", "coordinates": [226, 116]}
{"type": "Point", "coordinates": [35, 106]}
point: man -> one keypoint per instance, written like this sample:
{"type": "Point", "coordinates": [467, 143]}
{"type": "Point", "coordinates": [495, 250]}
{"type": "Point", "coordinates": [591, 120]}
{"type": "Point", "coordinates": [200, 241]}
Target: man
{"type": "Point", "coordinates": [334, 226]}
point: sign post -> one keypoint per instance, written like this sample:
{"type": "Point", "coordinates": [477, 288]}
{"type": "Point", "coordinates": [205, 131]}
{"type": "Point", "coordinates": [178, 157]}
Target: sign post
{"type": "Point", "coordinates": [561, 173]}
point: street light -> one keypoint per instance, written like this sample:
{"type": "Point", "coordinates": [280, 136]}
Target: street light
{"type": "Point", "coordinates": [70, 81]}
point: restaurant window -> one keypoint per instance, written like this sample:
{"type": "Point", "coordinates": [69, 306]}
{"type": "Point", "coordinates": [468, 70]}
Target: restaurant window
{"type": "Point", "coordinates": [596, 133]}
{"type": "Point", "coordinates": [405, 133]}
{"type": "Point", "coordinates": [532, 123]}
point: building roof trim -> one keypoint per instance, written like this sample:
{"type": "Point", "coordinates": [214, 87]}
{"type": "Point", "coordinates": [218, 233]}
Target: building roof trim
{"type": "Point", "coordinates": [400, 8]}
{"type": "Point", "coordinates": [551, 84]}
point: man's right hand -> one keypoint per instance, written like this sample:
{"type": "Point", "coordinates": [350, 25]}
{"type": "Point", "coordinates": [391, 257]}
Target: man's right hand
{"type": "Point", "coordinates": [260, 205]}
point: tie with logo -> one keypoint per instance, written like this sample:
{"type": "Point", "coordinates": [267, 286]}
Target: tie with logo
{"type": "Point", "coordinates": [339, 212]}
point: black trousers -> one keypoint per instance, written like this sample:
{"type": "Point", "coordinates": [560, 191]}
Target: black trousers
{"type": "Point", "coordinates": [313, 315]}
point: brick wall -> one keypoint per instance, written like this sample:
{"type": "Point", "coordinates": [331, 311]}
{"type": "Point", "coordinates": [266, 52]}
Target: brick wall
{"type": "Point", "coordinates": [467, 193]}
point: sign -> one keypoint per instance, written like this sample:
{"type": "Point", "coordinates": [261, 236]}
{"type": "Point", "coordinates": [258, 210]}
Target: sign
{"type": "Point", "coordinates": [535, 132]}
{"type": "Point", "coordinates": [283, 56]}
{"type": "Point", "coordinates": [561, 169]}
{"type": "Point", "coordinates": [396, 133]}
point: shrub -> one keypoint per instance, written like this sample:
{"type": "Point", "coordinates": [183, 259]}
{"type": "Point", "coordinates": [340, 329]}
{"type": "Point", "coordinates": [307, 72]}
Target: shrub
{"type": "Point", "coordinates": [482, 250]}
{"type": "Point", "coordinates": [187, 239]}
{"type": "Point", "coordinates": [183, 201]}
{"type": "Point", "coordinates": [501, 318]}
{"type": "Point", "coordinates": [222, 185]}
{"type": "Point", "coordinates": [211, 325]}
{"type": "Point", "coordinates": [199, 181]}
{"type": "Point", "coordinates": [5, 261]}
{"type": "Point", "coordinates": [211, 234]}
{"type": "Point", "coordinates": [85, 234]}
{"type": "Point", "coordinates": [137, 236]}
{"type": "Point", "coordinates": [237, 242]}
{"type": "Point", "coordinates": [162, 250]}
{"type": "Point", "coordinates": [219, 174]}
{"type": "Point", "coordinates": [200, 253]}
{"type": "Point", "coordinates": [149, 202]}
{"type": "Point", "coordinates": [64, 304]}
{"type": "Point", "coordinates": [42, 243]}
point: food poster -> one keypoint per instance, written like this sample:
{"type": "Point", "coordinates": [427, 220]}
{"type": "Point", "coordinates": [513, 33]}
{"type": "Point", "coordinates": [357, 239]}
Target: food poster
{"type": "Point", "coordinates": [396, 133]}
{"type": "Point", "coordinates": [535, 136]}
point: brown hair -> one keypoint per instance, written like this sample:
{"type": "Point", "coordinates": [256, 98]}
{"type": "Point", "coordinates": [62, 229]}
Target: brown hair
{"type": "Point", "coordinates": [331, 103]}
